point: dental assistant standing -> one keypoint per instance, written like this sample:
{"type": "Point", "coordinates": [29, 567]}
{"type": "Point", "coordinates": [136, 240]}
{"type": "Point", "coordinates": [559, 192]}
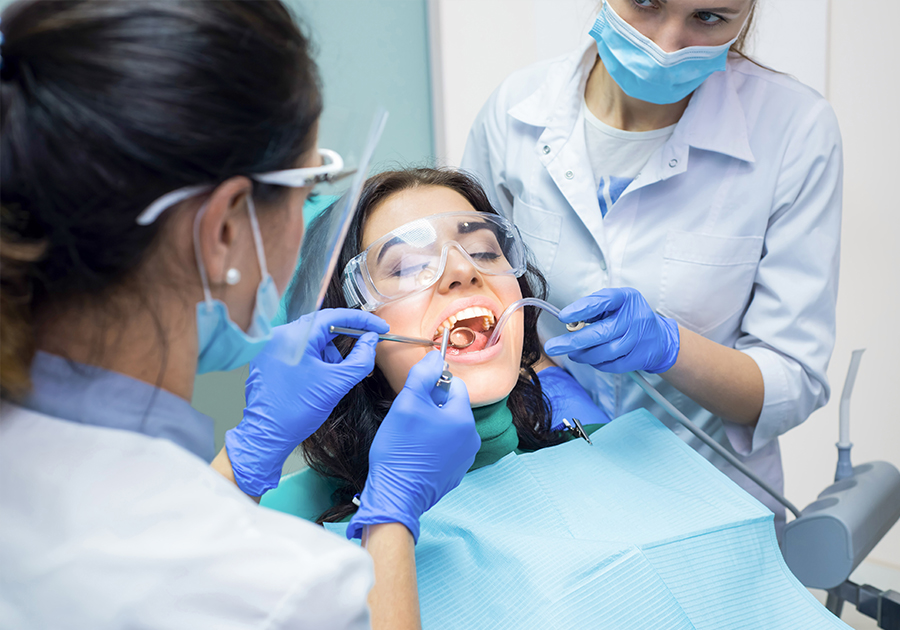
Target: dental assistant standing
{"type": "Point", "coordinates": [694, 197]}
{"type": "Point", "coordinates": [139, 247]}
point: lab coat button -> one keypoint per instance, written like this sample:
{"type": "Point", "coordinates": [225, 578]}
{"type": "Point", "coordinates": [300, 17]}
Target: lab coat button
{"type": "Point", "coordinates": [673, 163]}
{"type": "Point", "coordinates": [570, 175]}
{"type": "Point", "coordinates": [602, 264]}
{"type": "Point", "coordinates": [546, 149]}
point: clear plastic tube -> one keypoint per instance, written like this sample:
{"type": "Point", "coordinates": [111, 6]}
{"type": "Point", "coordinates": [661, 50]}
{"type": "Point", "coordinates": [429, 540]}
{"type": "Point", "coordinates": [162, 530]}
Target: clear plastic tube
{"type": "Point", "coordinates": [512, 308]}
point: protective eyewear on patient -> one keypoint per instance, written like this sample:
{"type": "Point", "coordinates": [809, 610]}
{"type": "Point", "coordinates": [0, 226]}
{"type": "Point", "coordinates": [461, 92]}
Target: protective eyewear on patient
{"type": "Point", "coordinates": [413, 257]}
{"type": "Point", "coordinates": [331, 170]}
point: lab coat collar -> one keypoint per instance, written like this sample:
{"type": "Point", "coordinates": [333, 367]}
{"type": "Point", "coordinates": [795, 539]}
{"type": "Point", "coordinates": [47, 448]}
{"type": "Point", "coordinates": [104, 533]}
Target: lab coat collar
{"type": "Point", "coordinates": [557, 103]}
{"type": "Point", "coordinates": [90, 395]}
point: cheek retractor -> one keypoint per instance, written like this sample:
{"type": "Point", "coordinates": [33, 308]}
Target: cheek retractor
{"type": "Point", "coordinates": [529, 301]}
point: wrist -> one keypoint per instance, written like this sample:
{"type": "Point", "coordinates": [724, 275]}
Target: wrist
{"type": "Point", "coordinates": [256, 462]}
{"type": "Point", "coordinates": [671, 346]}
{"type": "Point", "coordinates": [382, 502]}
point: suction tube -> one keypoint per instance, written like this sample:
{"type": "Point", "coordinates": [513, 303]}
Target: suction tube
{"type": "Point", "coordinates": [651, 391]}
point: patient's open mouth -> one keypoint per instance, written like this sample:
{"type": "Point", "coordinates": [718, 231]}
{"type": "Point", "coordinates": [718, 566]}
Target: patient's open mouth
{"type": "Point", "coordinates": [470, 329]}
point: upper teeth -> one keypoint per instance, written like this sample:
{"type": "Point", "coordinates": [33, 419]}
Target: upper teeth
{"type": "Point", "coordinates": [466, 313]}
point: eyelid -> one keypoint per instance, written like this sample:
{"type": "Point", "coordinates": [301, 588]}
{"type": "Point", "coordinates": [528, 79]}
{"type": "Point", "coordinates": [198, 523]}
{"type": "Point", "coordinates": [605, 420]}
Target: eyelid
{"type": "Point", "coordinates": [721, 19]}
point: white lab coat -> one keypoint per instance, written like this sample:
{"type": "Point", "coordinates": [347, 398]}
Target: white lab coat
{"type": "Point", "coordinates": [105, 528]}
{"type": "Point", "coordinates": [732, 228]}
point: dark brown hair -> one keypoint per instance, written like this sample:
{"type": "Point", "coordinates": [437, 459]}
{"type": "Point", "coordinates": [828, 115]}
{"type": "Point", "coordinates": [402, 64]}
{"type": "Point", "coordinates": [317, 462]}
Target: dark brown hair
{"type": "Point", "coordinates": [340, 448]}
{"type": "Point", "coordinates": [106, 106]}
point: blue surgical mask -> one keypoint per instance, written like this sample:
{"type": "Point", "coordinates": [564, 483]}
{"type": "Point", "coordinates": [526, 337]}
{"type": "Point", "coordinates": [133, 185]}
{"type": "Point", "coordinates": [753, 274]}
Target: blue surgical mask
{"type": "Point", "coordinates": [644, 70]}
{"type": "Point", "coordinates": [223, 345]}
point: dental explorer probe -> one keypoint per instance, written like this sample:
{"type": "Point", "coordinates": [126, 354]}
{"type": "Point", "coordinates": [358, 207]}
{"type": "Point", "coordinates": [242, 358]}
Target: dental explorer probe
{"type": "Point", "coordinates": [357, 332]}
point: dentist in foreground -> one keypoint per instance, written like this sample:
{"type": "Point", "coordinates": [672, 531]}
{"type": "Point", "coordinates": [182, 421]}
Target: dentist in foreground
{"type": "Point", "coordinates": [687, 201]}
{"type": "Point", "coordinates": [139, 247]}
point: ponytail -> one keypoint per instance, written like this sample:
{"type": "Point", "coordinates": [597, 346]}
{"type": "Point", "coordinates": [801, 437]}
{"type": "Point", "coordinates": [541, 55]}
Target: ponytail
{"type": "Point", "coordinates": [17, 259]}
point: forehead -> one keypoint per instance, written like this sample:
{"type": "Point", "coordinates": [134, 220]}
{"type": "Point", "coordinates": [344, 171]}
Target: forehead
{"type": "Point", "coordinates": [409, 205]}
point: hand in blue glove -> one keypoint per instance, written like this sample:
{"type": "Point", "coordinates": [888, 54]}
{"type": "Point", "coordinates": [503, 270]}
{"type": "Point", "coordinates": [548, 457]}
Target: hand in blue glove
{"type": "Point", "coordinates": [287, 403]}
{"type": "Point", "coordinates": [625, 334]}
{"type": "Point", "coordinates": [568, 399]}
{"type": "Point", "coordinates": [420, 452]}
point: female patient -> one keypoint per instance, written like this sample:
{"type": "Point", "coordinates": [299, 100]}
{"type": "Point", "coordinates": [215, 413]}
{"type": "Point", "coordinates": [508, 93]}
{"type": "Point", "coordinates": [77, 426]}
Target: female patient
{"type": "Point", "coordinates": [425, 252]}
{"type": "Point", "coordinates": [637, 531]}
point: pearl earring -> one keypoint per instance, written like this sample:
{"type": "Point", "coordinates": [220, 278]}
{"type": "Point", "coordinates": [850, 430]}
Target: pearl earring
{"type": "Point", "coordinates": [232, 276]}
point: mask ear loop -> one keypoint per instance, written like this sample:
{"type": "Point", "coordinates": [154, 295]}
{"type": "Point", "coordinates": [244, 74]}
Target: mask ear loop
{"type": "Point", "coordinates": [207, 295]}
{"type": "Point", "coordinates": [257, 241]}
{"type": "Point", "coordinates": [257, 238]}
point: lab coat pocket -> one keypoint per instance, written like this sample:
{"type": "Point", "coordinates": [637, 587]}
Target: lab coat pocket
{"type": "Point", "coordinates": [540, 229]}
{"type": "Point", "coordinates": [705, 278]}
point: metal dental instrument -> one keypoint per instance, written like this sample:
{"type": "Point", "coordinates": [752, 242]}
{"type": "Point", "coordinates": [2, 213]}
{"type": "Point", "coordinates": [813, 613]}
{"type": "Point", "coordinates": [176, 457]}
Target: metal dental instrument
{"type": "Point", "coordinates": [577, 429]}
{"type": "Point", "coordinates": [356, 332]}
{"type": "Point", "coordinates": [441, 391]}
{"type": "Point", "coordinates": [463, 337]}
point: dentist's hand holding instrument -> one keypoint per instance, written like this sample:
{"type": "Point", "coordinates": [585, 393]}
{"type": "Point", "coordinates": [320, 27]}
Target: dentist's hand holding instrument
{"type": "Point", "coordinates": [420, 452]}
{"type": "Point", "coordinates": [288, 403]}
{"type": "Point", "coordinates": [625, 334]}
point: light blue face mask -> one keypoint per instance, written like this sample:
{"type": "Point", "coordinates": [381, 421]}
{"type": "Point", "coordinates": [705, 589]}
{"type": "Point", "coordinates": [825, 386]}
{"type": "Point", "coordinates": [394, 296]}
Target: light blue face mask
{"type": "Point", "coordinates": [223, 345]}
{"type": "Point", "coordinates": [644, 70]}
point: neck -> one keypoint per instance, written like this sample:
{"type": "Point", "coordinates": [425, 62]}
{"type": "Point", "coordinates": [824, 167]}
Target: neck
{"type": "Point", "coordinates": [125, 336]}
{"type": "Point", "coordinates": [608, 102]}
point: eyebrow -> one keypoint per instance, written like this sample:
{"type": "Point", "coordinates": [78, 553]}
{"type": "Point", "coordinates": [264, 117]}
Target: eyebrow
{"type": "Point", "coordinates": [465, 227]}
{"type": "Point", "coordinates": [394, 241]}
{"type": "Point", "coordinates": [712, 9]}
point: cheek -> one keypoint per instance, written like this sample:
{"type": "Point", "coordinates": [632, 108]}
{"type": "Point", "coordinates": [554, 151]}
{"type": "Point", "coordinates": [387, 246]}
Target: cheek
{"type": "Point", "coordinates": [493, 381]}
{"type": "Point", "coordinates": [396, 359]}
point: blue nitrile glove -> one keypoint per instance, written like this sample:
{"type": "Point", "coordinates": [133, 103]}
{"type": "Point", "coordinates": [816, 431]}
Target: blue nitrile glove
{"type": "Point", "coordinates": [287, 403]}
{"type": "Point", "coordinates": [420, 452]}
{"type": "Point", "coordinates": [625, 334]}
{"type": "Point", "coordinates": [568, 399]}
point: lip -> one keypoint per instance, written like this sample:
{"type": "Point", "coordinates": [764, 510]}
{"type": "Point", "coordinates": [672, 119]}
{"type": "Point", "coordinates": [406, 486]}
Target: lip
{"type": "Point", "coordinates": [482, 356]}
{"type": "Point", "coordinates": [457, 305]}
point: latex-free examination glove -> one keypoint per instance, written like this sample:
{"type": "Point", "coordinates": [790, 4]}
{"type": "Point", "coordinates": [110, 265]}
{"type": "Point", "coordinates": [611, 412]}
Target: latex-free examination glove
{"type": "Point", "coordinates": [625, 334]}
{"type": "Point", "coordinates": [420, 452]}
{"type": "Point", "coordinates": [568, 399]}
{"type": "Point", "coordinates": [287, 403]}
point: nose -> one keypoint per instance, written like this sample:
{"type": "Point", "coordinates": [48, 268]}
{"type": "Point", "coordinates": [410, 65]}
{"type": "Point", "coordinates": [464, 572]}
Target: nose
{"type": "Point", "coordinates": [670, 35]}
{"type": "Point", "coordinates": [458, 271]}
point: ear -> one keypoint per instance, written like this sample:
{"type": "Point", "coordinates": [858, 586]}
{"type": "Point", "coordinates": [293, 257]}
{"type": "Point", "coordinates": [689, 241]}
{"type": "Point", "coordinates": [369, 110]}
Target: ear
{"type": "Point", "coordinates": [218, 230]}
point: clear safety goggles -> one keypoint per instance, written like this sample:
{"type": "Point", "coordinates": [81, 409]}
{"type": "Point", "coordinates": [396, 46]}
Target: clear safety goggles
{"type": "Point", "coordinates": [413, 257]}
{"type": "Point", "coordinates": [331, 170]}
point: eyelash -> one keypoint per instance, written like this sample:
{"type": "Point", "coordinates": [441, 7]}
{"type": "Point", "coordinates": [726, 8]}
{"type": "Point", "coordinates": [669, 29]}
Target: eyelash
{"type": "Point", "coordinates": [721, 20]}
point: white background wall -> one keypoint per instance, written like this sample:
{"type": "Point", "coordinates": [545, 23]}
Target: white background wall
{"type": "Point", "coordinates": [847, 54]}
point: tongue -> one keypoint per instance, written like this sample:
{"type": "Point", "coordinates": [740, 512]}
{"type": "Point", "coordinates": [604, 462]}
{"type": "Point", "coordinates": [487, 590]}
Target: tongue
{"type": "Point", "coordinates": [481, 339]}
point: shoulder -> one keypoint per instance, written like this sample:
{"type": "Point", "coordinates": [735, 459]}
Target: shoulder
{"type": "Point", "coordinates": [148, 530]}
{"type": "Point", "coordinates": [776, 99]}
{"type": "Point", "coordinates": [543, 81]}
